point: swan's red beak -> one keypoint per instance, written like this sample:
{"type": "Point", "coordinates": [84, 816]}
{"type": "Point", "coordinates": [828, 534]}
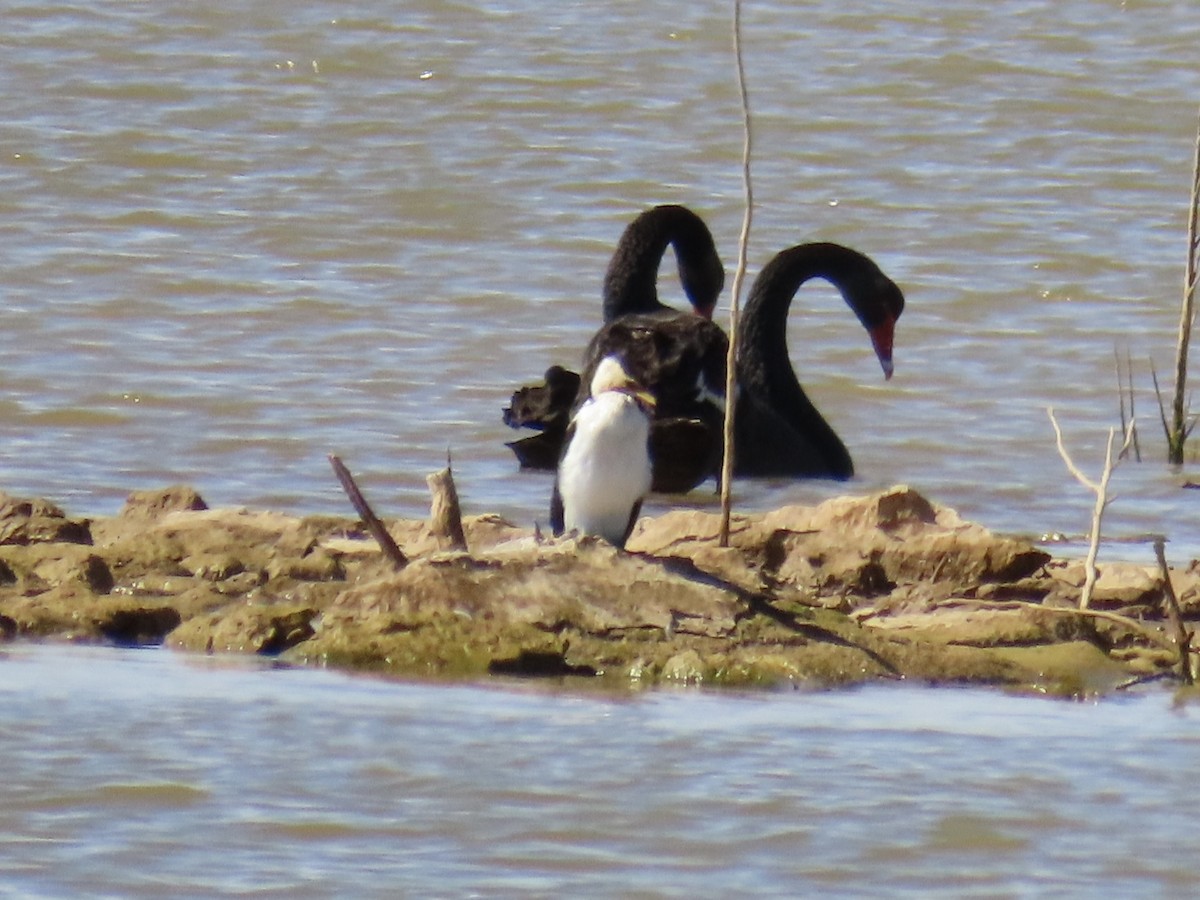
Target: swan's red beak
{"type": "Point", "coordinates": [881, 340]}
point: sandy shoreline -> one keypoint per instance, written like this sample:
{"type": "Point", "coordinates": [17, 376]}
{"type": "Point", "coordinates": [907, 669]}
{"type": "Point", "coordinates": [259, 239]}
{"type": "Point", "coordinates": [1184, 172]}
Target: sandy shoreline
{"type": "Point", "coordinates": [880, 587]}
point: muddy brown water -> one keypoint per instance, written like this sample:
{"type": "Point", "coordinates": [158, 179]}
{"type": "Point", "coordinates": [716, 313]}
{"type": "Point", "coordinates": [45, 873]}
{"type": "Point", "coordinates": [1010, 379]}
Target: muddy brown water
{"type": "Point", "coordinates": [236, 240]}
{"type": "Point", "coordinates": [239, 237]}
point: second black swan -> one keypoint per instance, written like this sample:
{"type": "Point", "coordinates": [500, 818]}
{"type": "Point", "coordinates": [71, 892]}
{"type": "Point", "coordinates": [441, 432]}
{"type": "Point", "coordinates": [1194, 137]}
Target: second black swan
{"type": "Point", "coordinates": [681, 359]}
{"type": "Point", "coordinates": [777, 429]}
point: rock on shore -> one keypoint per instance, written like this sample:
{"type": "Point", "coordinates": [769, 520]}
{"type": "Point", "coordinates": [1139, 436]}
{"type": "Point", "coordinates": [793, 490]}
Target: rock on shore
{"type": "Point", "coordinates": [885, 586]}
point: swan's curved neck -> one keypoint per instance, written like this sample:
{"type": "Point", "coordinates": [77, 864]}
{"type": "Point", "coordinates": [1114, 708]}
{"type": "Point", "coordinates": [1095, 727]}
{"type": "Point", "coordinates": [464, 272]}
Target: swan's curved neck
{"type": "Point", "coordinates": [867, 291]}
{"type": "Point", "coordinates": [764, 366]}
{"type": "Point", "coordinates": [630, 284]}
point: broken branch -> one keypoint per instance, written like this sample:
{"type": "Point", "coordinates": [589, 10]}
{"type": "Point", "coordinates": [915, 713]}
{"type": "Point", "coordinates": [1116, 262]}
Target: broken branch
{"type": "Point", "coordinates": [374, 525]}
{"type": "Point", "coordinates": [1100, 489]}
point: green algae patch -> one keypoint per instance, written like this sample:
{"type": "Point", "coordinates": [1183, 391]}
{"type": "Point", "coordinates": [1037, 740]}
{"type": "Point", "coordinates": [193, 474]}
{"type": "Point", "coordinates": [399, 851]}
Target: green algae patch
{"type": "Point", "coordinates": [1068, 669]}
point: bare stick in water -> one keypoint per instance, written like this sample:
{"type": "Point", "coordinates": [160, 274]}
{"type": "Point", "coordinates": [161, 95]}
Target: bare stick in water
{"type": "Point", "coordinates": [1125, 391]}
{"type": "Point", "coordinates": [1137, 449]}
{"type": "Point", "coordinates": [1177, 433]}
{"type": "Point", "coordinates": [1120, 388]}
{"type": "Point", "coordinates": [1188, 425]}
{"type": "Point", "coordinates": [359, 502]}
{"type": "Point", "coordinates": [738, 275]}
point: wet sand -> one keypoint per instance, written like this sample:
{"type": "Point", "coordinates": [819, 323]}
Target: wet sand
{"type": "Point", "coordinates": [887, 586]}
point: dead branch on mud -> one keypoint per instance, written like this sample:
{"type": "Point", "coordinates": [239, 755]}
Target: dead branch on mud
{"type": "Point", "coordinates": [445, 514]}
{"type": "Point", "coordinates": [376, 527]}
{"type": "Point", "coordinates": [1183, 637]}
{"type": "Point", "coordinates": [1100, 489]}
{"type": "Point", "coordinates": [1141, 629]}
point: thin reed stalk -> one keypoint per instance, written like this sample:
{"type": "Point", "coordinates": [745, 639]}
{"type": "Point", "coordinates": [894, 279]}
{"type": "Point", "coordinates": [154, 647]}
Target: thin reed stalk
{"type": "Point", "coordinates": [738, 276]}
{"type": "Point", "coordinates": [1180, 428]}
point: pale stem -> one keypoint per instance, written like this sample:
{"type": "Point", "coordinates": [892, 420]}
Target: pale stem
{"type": "Point", "coordinates": [735, 299]}
{"type": "Point", "coordinates": [1100, 489]}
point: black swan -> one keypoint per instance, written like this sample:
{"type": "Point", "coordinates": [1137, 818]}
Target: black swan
{"type": "Point", "coordinates": [605, 469]}
{"type": "Point", "coordinates": [629, 290]}
{"type": "Point", "coordinates": [777, 430]}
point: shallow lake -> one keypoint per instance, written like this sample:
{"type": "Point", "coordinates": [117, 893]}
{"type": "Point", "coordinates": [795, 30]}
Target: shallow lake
{"type": "Point", "coordinates": [150, 773]}
{"type": "Point", "coordinates": [237, 237]}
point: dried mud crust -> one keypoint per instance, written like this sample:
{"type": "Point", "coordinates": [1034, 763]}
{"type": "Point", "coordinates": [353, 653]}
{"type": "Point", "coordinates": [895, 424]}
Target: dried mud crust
{"type": "Point", "coordinates": [881, 587]}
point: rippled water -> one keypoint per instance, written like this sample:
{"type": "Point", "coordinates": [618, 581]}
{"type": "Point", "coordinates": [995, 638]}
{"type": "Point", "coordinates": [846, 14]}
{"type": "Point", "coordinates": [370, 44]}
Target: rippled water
{"type": "Point", "coordinates": [238, 238]}
{"type": "Point", "coordinates": [147, 773]}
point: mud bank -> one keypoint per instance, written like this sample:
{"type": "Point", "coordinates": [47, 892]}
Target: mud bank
{"type": "Point", "coordinates": [886, 586]}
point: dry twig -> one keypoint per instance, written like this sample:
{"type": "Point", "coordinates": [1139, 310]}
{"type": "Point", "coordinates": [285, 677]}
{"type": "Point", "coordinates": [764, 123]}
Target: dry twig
{"type": "Point", "coordinates": [1124, 390]}
{"type": "Point", "coordinates": [1100, 489]}
{"type": "Point", "coordinates": [1183, 637]}
{"type": "Point", "coordinates": [1150, 634]}
{"type": "Point", "coordinates": [735, 299]}
{"type": "Point", "coordinates": [359, 502]}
